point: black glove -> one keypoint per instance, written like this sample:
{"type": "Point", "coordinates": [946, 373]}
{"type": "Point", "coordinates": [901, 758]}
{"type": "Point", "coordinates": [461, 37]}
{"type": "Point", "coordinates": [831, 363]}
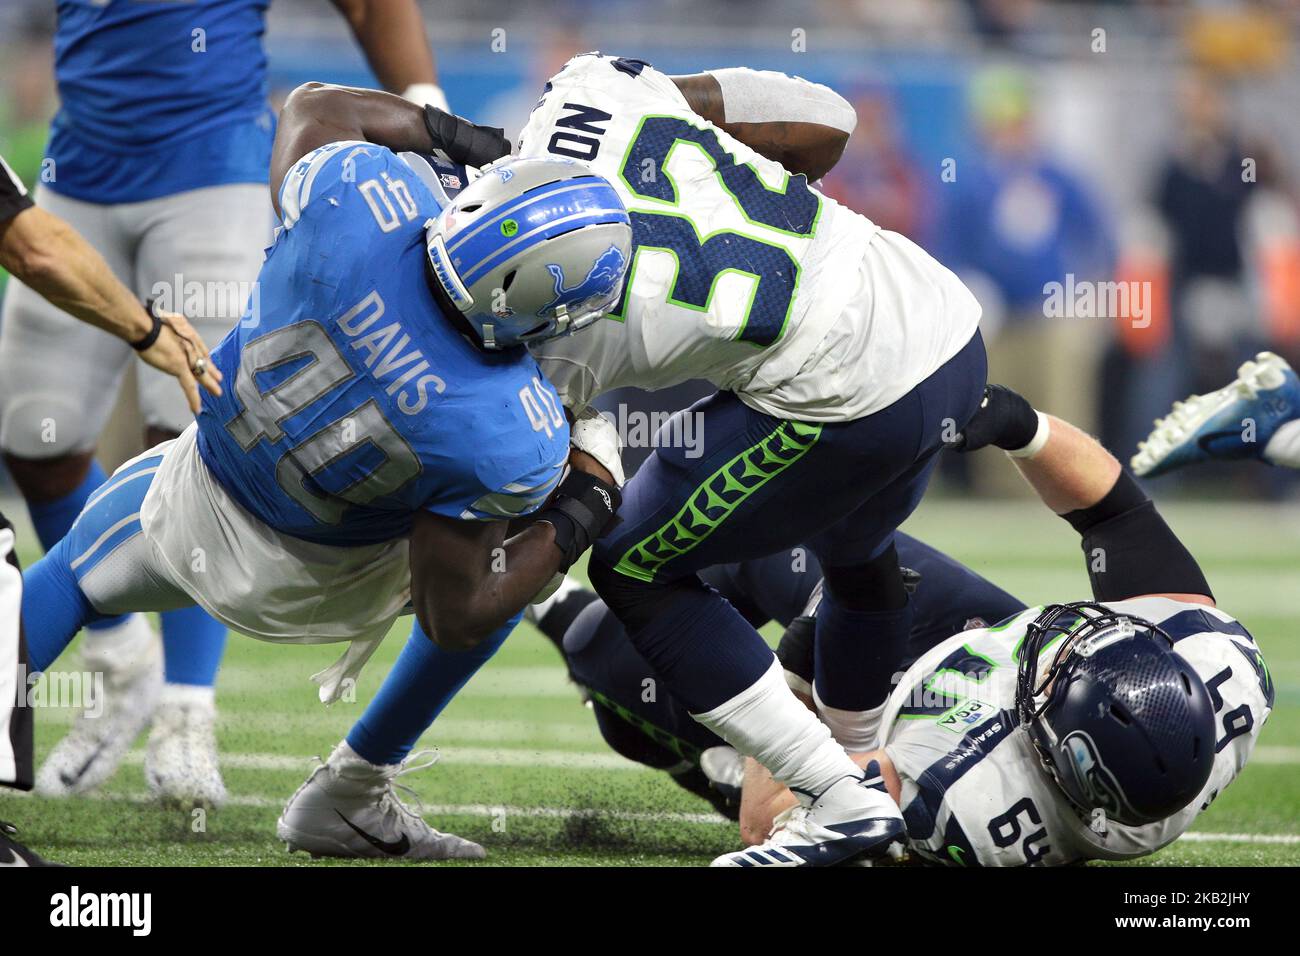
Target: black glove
{"type": "Point", "coordinates": [1004, 418]}
{"type": "Point", "coordinates": [464, 142]}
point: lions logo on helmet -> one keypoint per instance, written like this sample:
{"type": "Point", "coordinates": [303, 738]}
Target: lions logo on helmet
{"type": "Point", "coordinates": [502, 250]}
{"type": "Point", "coordinates": [607, 271]}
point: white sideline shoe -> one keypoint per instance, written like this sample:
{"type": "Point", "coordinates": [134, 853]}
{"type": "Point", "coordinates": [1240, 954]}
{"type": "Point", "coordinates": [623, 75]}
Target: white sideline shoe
{"type": "Point", "coordinates": [180, 765]}
{"type": "Point", "coordinates": [847, 822]}
{"type": "Point", "coordinates": [348, 807]}
{"type": "Point", "coordinates": [130, 658]}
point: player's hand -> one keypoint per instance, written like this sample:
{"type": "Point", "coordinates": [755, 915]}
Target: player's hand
{"type": "Point", "coordinates": [595, 435]}
{"type": "Point", "coordinates": [180, 352]}
{"type": "Point", "coordinates": [1004, 418]}
{"type": "Point", "coordinates": [581, 461]}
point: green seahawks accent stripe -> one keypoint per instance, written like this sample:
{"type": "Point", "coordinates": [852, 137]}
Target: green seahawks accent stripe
{"type": "Point", "coordinates": [683, 748]}
{"type": "Point", "coordinates": [718, 496]}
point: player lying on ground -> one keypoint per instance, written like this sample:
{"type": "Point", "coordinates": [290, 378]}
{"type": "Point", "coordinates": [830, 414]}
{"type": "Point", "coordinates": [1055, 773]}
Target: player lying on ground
{"type": "Point", "coordinates": [159, 156]}
{"type": "Point", "coordinates": [1257, 415]}
{"type": "Point", "coordinates": [1064, 733]}
{"type": "Point", "coordinates": [369, 450]}
{"type": "Point", "coordinates": [841, 354]}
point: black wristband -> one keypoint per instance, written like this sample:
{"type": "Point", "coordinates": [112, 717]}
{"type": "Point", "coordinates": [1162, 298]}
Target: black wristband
{"type": "Point", "coordinates": [151, 336]}
{"type": "Point", "coordinates": [465, 142]}
{"type": "Point", "coordinates": [581, 511]}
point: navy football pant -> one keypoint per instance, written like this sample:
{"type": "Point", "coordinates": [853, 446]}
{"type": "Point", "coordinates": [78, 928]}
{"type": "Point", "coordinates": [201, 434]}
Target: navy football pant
{"type": "Point", "coordinates": [751, 485]}
{"type": "Point", "coordinates": [656, 729]}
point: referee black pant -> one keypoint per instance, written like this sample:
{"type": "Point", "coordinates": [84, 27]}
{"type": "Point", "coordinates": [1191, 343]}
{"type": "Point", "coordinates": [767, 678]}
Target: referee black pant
{"type": "Point", "coordinates": [15, 715]}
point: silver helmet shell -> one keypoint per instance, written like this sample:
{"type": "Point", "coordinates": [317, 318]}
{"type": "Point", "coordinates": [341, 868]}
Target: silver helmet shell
{"type": "Point", "coordinates": [533, 249]}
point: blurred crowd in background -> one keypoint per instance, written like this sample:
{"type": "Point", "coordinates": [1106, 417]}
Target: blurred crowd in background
{"type": "Point", "coordinates": [1118, 182]}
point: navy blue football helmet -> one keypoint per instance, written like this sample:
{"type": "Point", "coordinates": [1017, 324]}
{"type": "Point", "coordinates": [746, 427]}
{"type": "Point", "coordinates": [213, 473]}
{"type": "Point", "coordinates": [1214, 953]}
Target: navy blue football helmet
{"type": "Point", "coordinates": [1119, 720]}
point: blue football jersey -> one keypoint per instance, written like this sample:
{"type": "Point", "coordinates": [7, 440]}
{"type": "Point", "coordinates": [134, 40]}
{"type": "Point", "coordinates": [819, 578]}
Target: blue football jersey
{"type": "Point", "coordinates": [350, 401]}
{"type": "Point", "coordinates": [158, 97]}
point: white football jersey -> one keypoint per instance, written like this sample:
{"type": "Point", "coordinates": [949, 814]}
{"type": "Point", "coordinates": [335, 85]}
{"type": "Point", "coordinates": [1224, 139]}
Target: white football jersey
{"type": "Point", "coordinates": [973, 790]}
{"type": "Point", "coordinates": [741, 273]}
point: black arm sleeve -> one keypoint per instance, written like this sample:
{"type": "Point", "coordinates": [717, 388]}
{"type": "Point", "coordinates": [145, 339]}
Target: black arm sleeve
{"type": "Point", "coordinates": [13, 195]}
{"type": "Point", "coordinates": [1130, 550]}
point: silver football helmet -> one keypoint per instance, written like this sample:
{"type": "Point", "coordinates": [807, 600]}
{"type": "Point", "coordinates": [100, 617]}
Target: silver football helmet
{"type": "Point", "coordinates": [533, 249]}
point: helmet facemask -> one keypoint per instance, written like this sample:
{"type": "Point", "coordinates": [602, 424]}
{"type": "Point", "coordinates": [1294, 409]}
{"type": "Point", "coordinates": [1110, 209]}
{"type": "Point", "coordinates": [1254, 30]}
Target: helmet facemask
{"type": "Point", "coordinates": [1072, 759]}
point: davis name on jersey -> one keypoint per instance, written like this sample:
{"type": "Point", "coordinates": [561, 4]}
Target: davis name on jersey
{"type": "Point", "coordinates": [742, 274]}
{"type": "Point", "coordinates": [973, 790]}
{"type": "Point", "coordinates": [350, 401]}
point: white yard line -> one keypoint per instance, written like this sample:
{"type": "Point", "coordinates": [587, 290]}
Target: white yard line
{"type": "Point", "coordinates": [1199, 837]}
{"type": "Point", "coordinates": [555, 759]}
{"type": "Point", "coordinates": [455, 756]}
{"type": "Point", "coordinates": [1276, 755]}
{"type": "Point", "coordinates": [628, 816]}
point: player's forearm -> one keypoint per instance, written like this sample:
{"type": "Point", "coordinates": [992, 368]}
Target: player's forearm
{"type": "Point", "coordinates": [51, 258]}
{"type": "Point", "coordinates": [459, 614]}
{"type": "Point", "coordinates": [392, 34]}
{"type": "Point", "coordinates": [801, 125]}
{"type": "Point", "coordinates": [1071, 471]}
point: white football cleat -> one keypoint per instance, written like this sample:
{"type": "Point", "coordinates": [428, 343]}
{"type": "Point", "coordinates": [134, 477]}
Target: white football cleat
{"type": "Point", "coordinates": [129, 656]}
{"type": "Point", "coordinates": [181, 766]}
{"type": "Point", "coordinates": [847, 822]}
{"type": "Point", "coordinates": [1234, 422]}
{"type": "Point", "coordinates": [348, 807]}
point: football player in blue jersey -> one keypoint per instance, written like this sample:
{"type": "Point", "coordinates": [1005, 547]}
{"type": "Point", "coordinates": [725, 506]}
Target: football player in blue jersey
{"type": "Point", "coordinates": [158, 156]}
{"type": "Point", "coordinates": [382, 423]}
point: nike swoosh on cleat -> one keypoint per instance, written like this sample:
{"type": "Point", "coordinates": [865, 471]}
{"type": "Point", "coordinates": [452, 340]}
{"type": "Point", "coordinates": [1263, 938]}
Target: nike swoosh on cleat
{"type": "Point", "coordinates": [1212, 444]}
{"type": "Point", "coordinates": [395, 848]}
{"type": "Point", "coordinates": [13, 859]}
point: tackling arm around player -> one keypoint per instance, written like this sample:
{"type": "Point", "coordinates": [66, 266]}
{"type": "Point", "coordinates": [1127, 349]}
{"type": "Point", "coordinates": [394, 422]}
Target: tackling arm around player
{"type": "Point", "coordinates": [709, 656]}
{"type": "Point", "coordinates": [458, 596]}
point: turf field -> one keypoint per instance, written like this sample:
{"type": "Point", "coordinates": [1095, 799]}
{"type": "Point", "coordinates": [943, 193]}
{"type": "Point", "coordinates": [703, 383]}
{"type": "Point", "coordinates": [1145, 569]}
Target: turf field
{"type": "Point", "coordinates": [524, 772]}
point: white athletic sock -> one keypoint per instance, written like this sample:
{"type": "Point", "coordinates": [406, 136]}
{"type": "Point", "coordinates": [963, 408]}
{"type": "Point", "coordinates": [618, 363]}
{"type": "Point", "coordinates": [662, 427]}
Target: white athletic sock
{"type": "Point", "coordinates": [123, 650]}
{"type": "Point", "coordinates": [767, 722]}
{"type": "Point", "coordinates": [1283, 449]}
{"type": "Point", "coordinates": [188, 695]}
{"type": "Point", "coordinates": [854, 730]}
